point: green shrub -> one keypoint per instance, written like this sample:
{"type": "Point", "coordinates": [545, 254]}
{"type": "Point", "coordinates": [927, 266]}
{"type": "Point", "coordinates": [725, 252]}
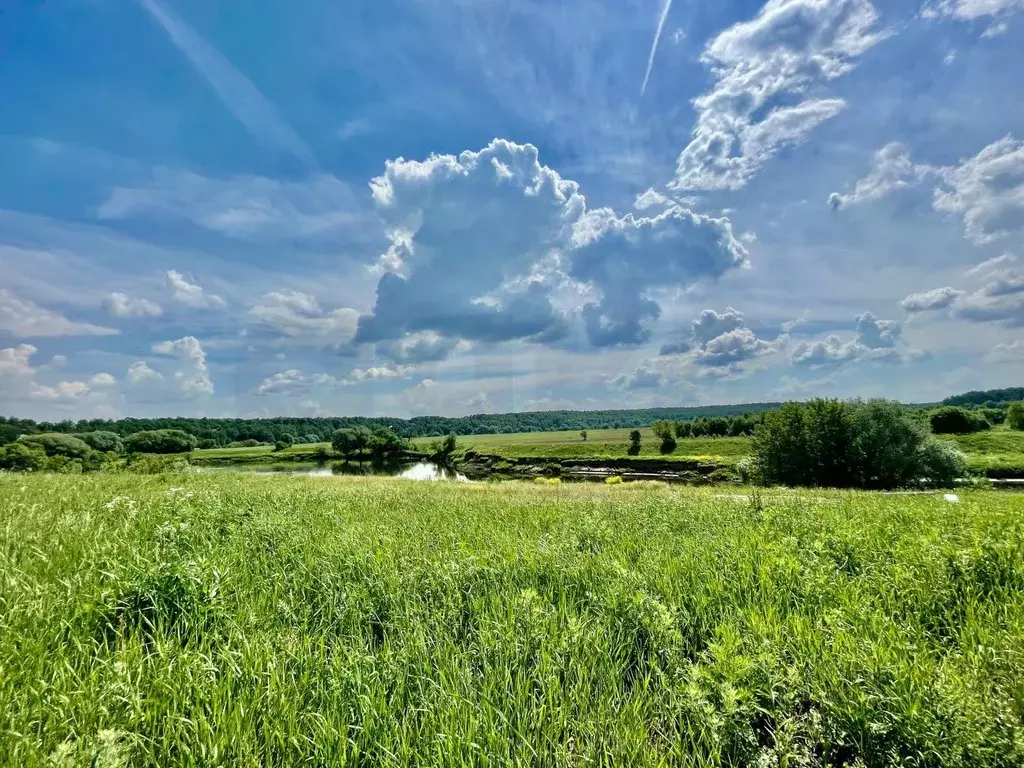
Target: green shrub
{"type": "Point", "coordinates": [957, 421]}
{"type": "Point", "coordinates": [104, 442]}
{"type": "Point", "coordinates": [614, 480]}
{"type": "Point", "coordinates": [22, 457]}
{"type": "Point", "coordinates": [161, 441]}
{"type": "Point", "coordinates": [1015, 416]}
{"type": "Point", "coordinates": [55, 444]}
{"type": "Point", "coordinates": [876, 444]}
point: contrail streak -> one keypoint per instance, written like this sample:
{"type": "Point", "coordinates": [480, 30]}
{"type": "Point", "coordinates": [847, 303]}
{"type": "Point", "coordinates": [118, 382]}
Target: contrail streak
{"type": "Point", "coordinates": [654, 45]}
{"type": "Point", "coordinates": [238, 93]}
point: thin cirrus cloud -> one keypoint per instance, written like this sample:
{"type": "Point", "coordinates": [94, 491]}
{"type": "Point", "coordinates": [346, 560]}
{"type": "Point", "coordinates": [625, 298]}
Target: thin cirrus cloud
{"type": "Point", "coordinates": [788, 47]}
{"type": "Point", "coordinates": [26, 319]}
{"type": "Point", "coordinates": [240, 96]}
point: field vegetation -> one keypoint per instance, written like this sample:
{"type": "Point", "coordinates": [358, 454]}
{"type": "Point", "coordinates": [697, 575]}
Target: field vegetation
{"type": "Point", "coordinates": [222, 620]}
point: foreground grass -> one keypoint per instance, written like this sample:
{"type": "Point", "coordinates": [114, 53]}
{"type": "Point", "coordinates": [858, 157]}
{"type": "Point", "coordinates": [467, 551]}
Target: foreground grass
{"type": "Point", "coordinates": [245, 621]}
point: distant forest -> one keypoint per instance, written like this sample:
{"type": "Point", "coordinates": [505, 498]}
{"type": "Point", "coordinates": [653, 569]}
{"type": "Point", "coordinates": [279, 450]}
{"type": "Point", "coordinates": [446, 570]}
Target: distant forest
{"type": "Point", "coordinates": [988, 397]}
{"type": "Point", "coordinates": [220, 432]}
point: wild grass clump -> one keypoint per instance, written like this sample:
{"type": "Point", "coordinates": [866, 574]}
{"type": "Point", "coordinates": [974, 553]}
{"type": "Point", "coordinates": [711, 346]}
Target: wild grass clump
{"type": "Point", "coordinates": [227, 619]}
{"type": "Point", "coordinates": [547, 481]}
{"type": "Point", "coordinates": [613, 480]}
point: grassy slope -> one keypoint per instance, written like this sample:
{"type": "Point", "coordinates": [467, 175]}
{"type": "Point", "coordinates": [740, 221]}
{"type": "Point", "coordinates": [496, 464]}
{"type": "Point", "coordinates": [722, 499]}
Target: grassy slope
{"type": "Point", "coordinates": [997, 449]}
{"type": "Point", "coordinates": [245, 621]}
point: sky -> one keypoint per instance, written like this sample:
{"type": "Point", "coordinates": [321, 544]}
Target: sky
{"type": "Point", "coordinates": [413, 207]}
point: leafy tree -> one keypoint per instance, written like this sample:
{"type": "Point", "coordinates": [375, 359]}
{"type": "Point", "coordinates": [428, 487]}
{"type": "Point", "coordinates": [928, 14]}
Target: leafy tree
{"type": "Point", "coordinates": [161, 441]}
{"type": "Point", "coordinates": [384, 443]}
{"type": "Point", "coordinates": [104, 442]}
{"type": "Point", "coordinates": [281, 445]}
{"type": "Point", "coordinates": [1015, 416]}
{"type": "Point", "coordinates": [634, 443]}
{"type": "Point", "coordinates": [343, 441]}
{"type": "Point", "coordinates": [583, 434]}
{"type": "Point", "coordinates": [684, 429]}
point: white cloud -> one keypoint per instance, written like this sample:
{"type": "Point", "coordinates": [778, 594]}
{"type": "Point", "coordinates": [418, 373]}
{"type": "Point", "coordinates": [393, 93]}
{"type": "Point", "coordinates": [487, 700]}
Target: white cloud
{"type": "Point", "coordinates": [892, 169]}
{"type": "Point", "coordinates": [191, 294]}
{"type": "Point", "coordinates": [627, 257]}
{"type": "Point", "coordinates": [192, 376]}
{"type": "Point", "coordinates": [968, 10]}
{"type": "Point", "coordinates": [21, 317]}
{"type": "Point", "coordinates": [643, 377]}
{"type": "Point", "coordinates": [929, 301]}
{"type": "Point", "coordinates": [121, 305]}
{"type": "Point", "coordinates": [789, 47]}
{"type": "Point", "coordinates": [711, 324]}
{"type": "Point", "coordinates": [244, 99]}
{"type": "Point", "coordinates": [987, 190]}
{"type": "Point", "coordinates": [291, 382]}
{"type": "Point", "coordinates": [299, 316]}
{"type": "Point", "coordinates": [875, 341]}
{"type": "Point", "coordinates": [1007, 353]}
{"type": "Point", "coordinates": [101, 380]}
{"type": "Point", "coordinates": [140, 372]}
{"type": "Point", "coordinates": [514, 231]}
{"type": "Point", "coordinates": [378, 373]}
{"type": "Point", "coordinates": [996, 295]}
{"type": "Point", "coordinates": [733, 347]}
{"type": "Point", "coordinates": [422, 347]}
{"type": "Point", "coordinates": [14, 362]}
{"type": "Point", "coordinates": [64, 391]}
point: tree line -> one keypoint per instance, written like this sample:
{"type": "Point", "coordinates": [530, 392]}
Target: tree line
{"type": "Point", "coordinates": [219, 433]}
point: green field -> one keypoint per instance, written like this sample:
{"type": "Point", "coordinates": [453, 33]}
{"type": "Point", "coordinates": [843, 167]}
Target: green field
{"type": "Point", "coordinates": [229, 620]}
{"type": "Point", "coordinates": [999, 452]}
{"type": "Point", "coordinates": [604, 443]}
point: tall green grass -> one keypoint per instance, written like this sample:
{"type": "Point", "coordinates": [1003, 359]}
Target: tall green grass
{"type": "Point", "coordinates": [222, 620]}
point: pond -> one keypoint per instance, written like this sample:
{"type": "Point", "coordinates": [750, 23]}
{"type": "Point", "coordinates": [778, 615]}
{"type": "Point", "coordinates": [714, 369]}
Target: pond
{"type": "Point", "coordinates": [421, 470]}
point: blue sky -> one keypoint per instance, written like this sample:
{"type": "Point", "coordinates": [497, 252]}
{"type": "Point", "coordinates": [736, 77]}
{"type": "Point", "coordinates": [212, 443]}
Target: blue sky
{"type": "Point", "coordinates": [411, 207]}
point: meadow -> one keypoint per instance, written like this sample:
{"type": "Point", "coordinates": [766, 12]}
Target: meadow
{"type": "Point", "coordinates": [230, 620]}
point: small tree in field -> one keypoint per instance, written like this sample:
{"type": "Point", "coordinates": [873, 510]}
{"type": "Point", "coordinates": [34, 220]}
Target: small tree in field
{"type": "Point", "coordinates": [1015, 416]}
{"type": "Point", "coordinates": [583, 434]}
{"type": "Point", "coordinates": [634, 443]}
{"type": "Point", "coordinates": [666, 432]}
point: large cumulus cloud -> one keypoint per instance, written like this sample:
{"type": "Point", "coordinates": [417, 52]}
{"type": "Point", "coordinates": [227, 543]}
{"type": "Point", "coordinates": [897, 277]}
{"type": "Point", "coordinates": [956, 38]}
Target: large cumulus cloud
{"type": "Point", "coordinates": [479, 241]}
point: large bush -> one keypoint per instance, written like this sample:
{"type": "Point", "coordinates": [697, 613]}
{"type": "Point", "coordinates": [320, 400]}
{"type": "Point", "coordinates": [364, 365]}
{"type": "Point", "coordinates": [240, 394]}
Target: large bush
{"type": "Point", "coordinates": [957, 421]}
{"type": "Point", "coordinates": [875, 444]}
{"type": "Point", "coordinates": [105, 442]}
{"type": "Point", "coordinates": [55, 444]}
{"type": "Point", "coordinates": [161, 441]}
{"type": "Point", "coordinates": [1015, 416]}
{"type": "Point", "coordinates": [22, 457]}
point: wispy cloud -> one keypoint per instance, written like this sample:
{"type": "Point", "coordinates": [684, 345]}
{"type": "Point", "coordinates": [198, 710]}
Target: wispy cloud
{"type": "Point", "coordinates": [654, 44]}
{"type": "Point", "coordinates": [238, 93]}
